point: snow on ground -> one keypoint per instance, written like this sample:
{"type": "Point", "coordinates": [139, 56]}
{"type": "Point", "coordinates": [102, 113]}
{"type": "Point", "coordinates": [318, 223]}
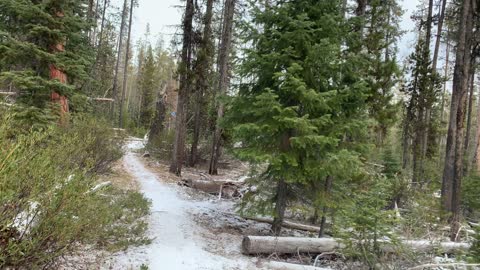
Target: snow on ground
{"type": "Point", "coordinates": [179, 242]}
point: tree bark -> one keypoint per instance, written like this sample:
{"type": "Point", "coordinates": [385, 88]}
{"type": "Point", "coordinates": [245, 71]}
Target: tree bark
{"type": "Point", "coordinates": [453, 170]}
{"type": "Point", "coordinates": [125, 68]}
{"type": "Point", "coordinates": [424, 112]}
{"type": "Point", "coordinates": [224, 82]}
{"type": "Point", "coordinates": [327, 190]}
{"type": "Point", "coordinates": [280, 206]}
{"type": "Point", "coordinates": [287, 224]}
{"type": "Point", "coordinates": [438, 38]}
{"type": "Point", "coordinates": [119, 53]}
{"type": "Point", "coordinates": [102, 24]}
{"type": "Point", "coordinates": [469, 115]}
{"type": "Point", "coordinates": [295, 245]}
{"type": "Point", "coordinates": [203, 70]}
{"type": "Point", "coordinates": [158, 124]}
{"type": "Point", "coordinates": [184, 91]}
{"type": "Point", "coordinates": [476, 159]}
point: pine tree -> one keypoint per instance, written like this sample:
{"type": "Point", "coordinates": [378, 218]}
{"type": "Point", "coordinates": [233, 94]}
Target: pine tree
{"type": "Point", "coordinates": [303, 111]}
{"type": "Point", "coordinates": [381, 70]}
{"type": "Point", "coordinates": [147, 88]}
{"type": "Point", "coordinates": [36, 41]}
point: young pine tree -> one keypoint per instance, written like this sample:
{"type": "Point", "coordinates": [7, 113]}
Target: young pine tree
{"type": "Point", "coordinates": [302, 113]}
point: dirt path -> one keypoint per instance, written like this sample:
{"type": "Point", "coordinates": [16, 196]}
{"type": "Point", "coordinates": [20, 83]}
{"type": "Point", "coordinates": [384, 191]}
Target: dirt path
{"type": "Point", "coordinates": [178, 241]}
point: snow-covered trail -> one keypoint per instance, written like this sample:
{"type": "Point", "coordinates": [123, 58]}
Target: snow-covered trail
{"type": "Point", "coordinates": [177, 242]}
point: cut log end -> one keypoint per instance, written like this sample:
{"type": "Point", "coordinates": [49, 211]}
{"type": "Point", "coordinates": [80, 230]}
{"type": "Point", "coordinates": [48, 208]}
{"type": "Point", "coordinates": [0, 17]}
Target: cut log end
{"type": "Point", "coordinates": [246, 245]}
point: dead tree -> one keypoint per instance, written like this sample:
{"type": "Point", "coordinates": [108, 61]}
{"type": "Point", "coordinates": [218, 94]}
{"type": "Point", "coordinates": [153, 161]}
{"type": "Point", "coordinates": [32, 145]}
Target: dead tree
{"type": "Point", "coordinates": [453, 169]}
{"type": "Point", "coordinates": [203, 70]}
{"type": "Point", "coordinates": [119, 53]}
{"type": "Point", "coordinates": [224, 82]}
{"type": "Point", "coordinates": [125, 68]}
{"type": "Point", "coordinates": [184, 70]}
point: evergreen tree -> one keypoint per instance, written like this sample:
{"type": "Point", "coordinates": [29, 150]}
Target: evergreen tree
{"type": "Point", "coordinates": [303, 112]}
{"type": "Point", "coordinates": [147, 88]}
{"type": "Point", "coordinates": [30, 35]}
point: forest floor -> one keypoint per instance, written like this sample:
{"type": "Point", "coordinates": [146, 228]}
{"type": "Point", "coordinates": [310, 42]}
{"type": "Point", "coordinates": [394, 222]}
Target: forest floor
{"type": "Point", "coordinates": [189, 230]}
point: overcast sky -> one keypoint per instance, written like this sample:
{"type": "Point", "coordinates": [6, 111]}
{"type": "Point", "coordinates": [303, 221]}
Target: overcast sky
{"type": "Point", "coordinates": [163, 15]}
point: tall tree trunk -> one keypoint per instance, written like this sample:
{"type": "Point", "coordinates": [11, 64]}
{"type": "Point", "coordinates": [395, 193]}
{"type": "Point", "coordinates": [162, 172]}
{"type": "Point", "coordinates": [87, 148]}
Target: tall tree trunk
{"type": "Point", "coordinates": [57, 74]}
{"type": "Point", "coordinates": [438, 38]}
{"type": "Point", "coordinates": [125, 68]}
{"type": "Point", "coordinates": [224, 82]}
{"type": "Point", "coordinates": [469, 115]}
{"type": "Point", "coordinates": [428, 104]}
{"type": "Point", "coordinates": [280, 206]}
{"type": "Point", "coordinates": [158, 124]}
{"type": "Point", "coordinates": [327, 190]}
{"type": "Point", "coordinates": [447, 59]}
{"type": "Point", "coordinates": [95, 21]}
{"type": "Point", "coordinates": [203, 69]}
{"type": "Point", "coordinates": [453, 170]}
{"type": "Point", "coordinates": [183, 92]}
{"type": "Point", "coordinates": [282, 191]}
{"type": "Point", "coordinates": [90, 14]}
{"type": "Point", "coordinates": [476, 157]}
{"type": "Point", "coordinates": [102, 25]}
{"type": "Point", "coordinates": [119, 54]}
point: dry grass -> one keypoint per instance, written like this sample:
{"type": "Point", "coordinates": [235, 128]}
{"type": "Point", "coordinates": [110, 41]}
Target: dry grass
{"type": "Point", "coordinates": [121, 178]}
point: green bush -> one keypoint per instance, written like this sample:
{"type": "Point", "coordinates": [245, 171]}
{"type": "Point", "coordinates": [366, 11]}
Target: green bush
{"type": "Point", "coordinates": [46, 201]}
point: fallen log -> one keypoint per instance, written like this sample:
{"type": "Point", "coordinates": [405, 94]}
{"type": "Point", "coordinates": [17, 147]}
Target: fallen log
{"type": "Point", "coordinates": [287, 245]}
{"type": "Point", "coordinates": [294, 245]}
{"type": "Point", "coordinates": [224, 189]}
{"type": "Point", "coordinates": [274, 265]}
{"type": "Point", "coordinates": [8, 93]}
{"type": "Point", "coordinates": [437, 265]}
{"type": "Point", "coordinates": [287, 224]}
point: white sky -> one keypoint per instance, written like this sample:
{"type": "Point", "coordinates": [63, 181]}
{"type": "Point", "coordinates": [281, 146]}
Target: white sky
{"type": "Point", "coordinates": [164, 15]}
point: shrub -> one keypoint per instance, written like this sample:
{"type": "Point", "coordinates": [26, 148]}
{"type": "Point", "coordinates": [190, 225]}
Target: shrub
{"type": "Point", "coordinates": [46, 200]}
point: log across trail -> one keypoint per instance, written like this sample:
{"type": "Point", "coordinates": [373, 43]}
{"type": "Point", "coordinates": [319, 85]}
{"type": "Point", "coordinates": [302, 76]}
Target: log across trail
{"type": "Point", "coordinates": [294, 245]}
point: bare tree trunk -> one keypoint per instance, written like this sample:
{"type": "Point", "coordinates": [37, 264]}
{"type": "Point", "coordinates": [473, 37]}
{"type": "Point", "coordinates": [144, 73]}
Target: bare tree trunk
{"type": "Point", "coordinates": [95, 14]}
{"type": "Point", "coordinates": [427, 110]}
{"type": "Point", "coordinates": [91, 4]}
{"type": "Point", "coordinates": [158, 124]}
{"type": "Point", "coordinates": [476, 159]}
{"type": "Point", "coordinates": [125, 68]}
{"type": "Point", "coordinates": [224, 82]}
{"type": "Point", "coordinates": [447, 58]}
{"type": "Point", "coordinates": [280, 206]}
{"type": "Point", "coordinates": [102, 24]}
{"type": "Point", "coordinates": [119, 53]}
{"type": "Point", "coordinates": [438, 38]}
{"type": "Point", "coordinates": [203, 68]}
{"type": "Point", "coordinates": [183, 92]}
{"type": "Point", "coordinates": [469, 115]}
{"type": "Point", "coordinates": [323, 222]}
{"type": "Point", "coordinates": [281, 193]}
{"type": "Point", "coordinates": [453, 169]}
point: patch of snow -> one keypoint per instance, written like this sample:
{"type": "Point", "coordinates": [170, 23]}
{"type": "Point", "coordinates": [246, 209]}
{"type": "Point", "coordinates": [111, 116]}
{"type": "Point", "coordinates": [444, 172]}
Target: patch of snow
{"type": "Point", "coordinates": [25, 220]}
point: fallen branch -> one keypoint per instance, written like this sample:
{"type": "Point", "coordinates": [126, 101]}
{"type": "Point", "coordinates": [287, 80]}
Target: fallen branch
{"type": "Point", "coordinates": [287, 224]}
{"type": "Point", "coordinates": [274, 265]}
{"type": "Point", "coordinates": [293, 245]}
{"type": "Point", "coordinates": [103, 99]}
{"type": "Point", "coordinates": [8, 93]}
{"type": "Point", "coordinates": [225, 189]}
{"type": "Point", "coordinates": [431, 265]}
{"type": "Point", "coordinates": [99, 186]}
